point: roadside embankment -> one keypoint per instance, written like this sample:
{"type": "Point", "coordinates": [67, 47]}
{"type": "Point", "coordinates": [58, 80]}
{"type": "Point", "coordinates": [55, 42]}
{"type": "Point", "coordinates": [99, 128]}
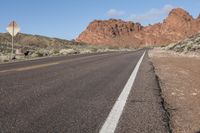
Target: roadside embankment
{"type": "Point", "coordinates": [179, 77]}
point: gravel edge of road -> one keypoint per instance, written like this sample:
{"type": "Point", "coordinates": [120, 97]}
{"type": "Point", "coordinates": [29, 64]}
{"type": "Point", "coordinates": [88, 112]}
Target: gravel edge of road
{"type": "Point", "coordinates": [178, 88]}
{"type": "Point", "coordinates": [154, 121]}
{"type": "Point", "coordinates": [163, 101]}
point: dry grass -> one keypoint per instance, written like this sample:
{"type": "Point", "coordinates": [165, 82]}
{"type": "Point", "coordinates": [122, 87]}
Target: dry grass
{"type": "Point", "coordinates": [39, 46]}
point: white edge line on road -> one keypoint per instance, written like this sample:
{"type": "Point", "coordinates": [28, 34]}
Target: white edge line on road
{"type": "Point", "coordinates": [114, 116]}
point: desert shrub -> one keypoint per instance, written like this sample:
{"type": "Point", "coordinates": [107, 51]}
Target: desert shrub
{"type": "Point", "coordinates": [4, 58]}
{"type": "Point", "coordinates": [67, 51]}
{"type": "Point", "coordinates": [54, 52]}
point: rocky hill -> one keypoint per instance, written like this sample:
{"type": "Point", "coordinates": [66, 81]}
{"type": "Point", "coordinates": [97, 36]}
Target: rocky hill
{"type": "Point", "coordinates": [28, 46]}
{"type": "Point", "coordinates": [177, 26]}
{"type": "Point", "coordinates": [191, 44]}
{"type": "Point", "coordinates": [108, 31]}
{"type": "Point", "coordinates": [35, 46]}
{"type": "Point", "coordinates": [33, 40]}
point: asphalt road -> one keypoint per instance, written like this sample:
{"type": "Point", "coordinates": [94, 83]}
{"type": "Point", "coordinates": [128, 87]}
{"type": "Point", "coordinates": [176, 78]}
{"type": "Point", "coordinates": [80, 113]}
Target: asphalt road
{"type": "Point", "coordinates": [75, 94]}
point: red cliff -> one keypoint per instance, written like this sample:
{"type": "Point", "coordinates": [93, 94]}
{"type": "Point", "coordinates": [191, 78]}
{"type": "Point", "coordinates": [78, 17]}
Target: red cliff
{"type": "Point", "coordinates": [177, 26]}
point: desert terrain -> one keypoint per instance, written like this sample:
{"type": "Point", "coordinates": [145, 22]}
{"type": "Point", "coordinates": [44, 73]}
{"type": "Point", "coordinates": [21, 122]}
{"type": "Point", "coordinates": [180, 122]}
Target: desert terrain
{"type": "Point", "coordinates": [177, 68]}
{"type": "Point", "coordinates": [179, 81]}
{"type": "Point", "coordinates": [116, 76]}
{"type": "Point", "coordinates": [178, 25]}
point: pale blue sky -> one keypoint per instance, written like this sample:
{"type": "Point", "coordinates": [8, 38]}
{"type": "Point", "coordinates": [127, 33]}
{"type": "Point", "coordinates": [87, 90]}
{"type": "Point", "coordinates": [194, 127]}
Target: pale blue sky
{"type": "Point", "coordinates": [68, 18]}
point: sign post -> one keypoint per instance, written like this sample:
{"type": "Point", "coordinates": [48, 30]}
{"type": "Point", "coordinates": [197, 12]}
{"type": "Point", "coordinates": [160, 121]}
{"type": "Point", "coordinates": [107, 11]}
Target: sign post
{"type": "Point", "coordinates": [13, 29]}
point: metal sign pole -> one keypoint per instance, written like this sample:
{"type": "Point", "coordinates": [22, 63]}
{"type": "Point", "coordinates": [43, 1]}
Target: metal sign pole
{"type": "Point", "coordinates": [12, 42]}
{"type": "Point", "coordinates": [12, 48]}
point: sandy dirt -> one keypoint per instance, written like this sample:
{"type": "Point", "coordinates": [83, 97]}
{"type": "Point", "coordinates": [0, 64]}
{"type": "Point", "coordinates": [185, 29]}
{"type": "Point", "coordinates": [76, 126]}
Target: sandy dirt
{"type": "Point", "coordinates": [179, 77]}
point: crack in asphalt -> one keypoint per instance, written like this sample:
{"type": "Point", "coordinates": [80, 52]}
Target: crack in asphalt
{"type": "Point", "coordinates": [163, 102]}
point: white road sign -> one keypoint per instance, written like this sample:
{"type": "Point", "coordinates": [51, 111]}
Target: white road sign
{"type": "Point", "coordinates": [13, 28]}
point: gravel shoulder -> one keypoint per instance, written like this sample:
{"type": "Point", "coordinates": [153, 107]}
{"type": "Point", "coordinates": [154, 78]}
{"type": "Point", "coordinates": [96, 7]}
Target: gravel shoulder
{"type": "Point", "coordinates": [144, 112]}
{"type": "Point", "coordinates": [179, 77]}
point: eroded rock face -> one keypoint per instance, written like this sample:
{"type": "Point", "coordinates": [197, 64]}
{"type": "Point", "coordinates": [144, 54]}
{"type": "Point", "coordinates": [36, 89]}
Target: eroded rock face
{"type": "Point", "coordinates": [113, 28]}
{"type": "Point", "coordinates": [177, 26]}
{"type": "Point", "coordinates": [102, 32]}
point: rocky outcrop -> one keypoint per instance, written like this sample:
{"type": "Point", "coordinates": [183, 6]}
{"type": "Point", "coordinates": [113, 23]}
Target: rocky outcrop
{"type": "Point", "coordinates": [191, 44]}
{"type": "Point", "coordinates": [177, 26]}
{"type": "Point", "coordinates": [102, 32]}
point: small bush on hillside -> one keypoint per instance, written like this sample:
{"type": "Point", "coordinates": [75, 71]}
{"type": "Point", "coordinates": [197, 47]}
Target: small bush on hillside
{"type": "Point", "coordinates": [67, 51]}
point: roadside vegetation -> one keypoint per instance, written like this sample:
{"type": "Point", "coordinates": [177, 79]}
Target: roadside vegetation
{"type": "Point", "coordinates": [188, 45]}
{"type": "Point", "coordinates": [33, 46]}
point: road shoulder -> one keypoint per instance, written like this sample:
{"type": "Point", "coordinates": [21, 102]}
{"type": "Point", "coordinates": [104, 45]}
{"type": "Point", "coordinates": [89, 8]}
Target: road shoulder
{"type": "Point", "coordinates": [179, 79]}
{"type": "Point", "coordinates": [144, 111]}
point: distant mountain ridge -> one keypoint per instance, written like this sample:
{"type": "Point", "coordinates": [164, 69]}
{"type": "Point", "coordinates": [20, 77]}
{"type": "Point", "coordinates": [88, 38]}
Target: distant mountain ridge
{"type": "Point", "coordinates": [33, 40]}
{"type": "Point", "coordinates": [177, 26]}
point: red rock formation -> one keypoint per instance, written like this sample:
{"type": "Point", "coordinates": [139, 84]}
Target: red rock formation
{"type": "Point", "coordinates": [177, 26]}
{"type": "Point", "coordinates": [102, 32]}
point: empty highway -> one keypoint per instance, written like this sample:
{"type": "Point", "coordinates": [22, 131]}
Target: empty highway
{"type": "Point", "coordinates": [76, 94]}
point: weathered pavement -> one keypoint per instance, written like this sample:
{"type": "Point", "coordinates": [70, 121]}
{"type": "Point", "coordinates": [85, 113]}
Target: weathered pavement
{"type": "Point", "coordinates": [75, 94]}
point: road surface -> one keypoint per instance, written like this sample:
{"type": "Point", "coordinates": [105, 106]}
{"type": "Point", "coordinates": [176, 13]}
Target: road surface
{"type": "Point", "coordinates": [75, 94]}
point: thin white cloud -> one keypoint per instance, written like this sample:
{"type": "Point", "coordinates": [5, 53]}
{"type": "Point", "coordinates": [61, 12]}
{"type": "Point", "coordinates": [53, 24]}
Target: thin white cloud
{"type": "Point", "coordinates": [115, 13]}
{"type": "Point", "coordinates": [151, 14]}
